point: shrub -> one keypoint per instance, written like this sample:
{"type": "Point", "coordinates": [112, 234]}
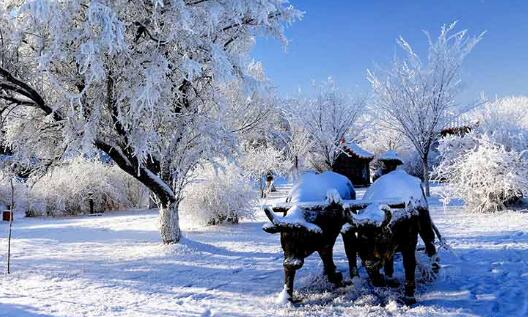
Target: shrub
{"type": "Point", "coordinates": [66, 189]}
{"type": "Point", "coordinates": [218, 196]}
{"type": "Point", "coordinates": [482, 172]}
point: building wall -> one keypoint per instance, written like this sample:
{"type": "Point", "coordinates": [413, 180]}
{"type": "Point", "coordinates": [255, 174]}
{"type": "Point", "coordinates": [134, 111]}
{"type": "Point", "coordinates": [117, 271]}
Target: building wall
{"type": "Point", "coordinates": [355, 168]}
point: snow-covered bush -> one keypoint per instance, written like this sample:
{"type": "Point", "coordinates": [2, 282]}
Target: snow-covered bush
{"type": "Point", "coordinates": [488, 167]}
{"type": "Point", "coordinates": [67, 189]}
{"type": "Point", "coordinates": [506, 121]}
{"type": "Point", "coordinates": [218, 196]}
{"type": "Point", "coordinates": [482, 172]}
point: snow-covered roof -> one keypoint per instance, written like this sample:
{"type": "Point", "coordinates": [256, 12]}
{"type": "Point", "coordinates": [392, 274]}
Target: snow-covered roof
{"type": "Point", "coordinates": [390, 155]}
{"type": "Point", "coordinates": [357, 150]}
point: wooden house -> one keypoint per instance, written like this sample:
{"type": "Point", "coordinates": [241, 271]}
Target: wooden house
{"type": "Point", "coordinates": [354, 163]}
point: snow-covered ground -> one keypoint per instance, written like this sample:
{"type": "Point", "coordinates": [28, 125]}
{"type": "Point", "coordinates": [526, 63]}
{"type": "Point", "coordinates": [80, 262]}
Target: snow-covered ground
{"type": "Point", "coordinates": [114, 265]}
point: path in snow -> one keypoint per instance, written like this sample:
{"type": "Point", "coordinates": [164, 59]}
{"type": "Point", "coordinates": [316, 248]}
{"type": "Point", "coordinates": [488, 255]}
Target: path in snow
{"type": "Point", "coordinates": [114, 265]}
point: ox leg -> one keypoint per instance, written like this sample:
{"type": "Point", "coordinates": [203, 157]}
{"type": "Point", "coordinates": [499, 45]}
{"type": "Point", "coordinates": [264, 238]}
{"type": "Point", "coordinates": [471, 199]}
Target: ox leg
{"type": "Point", "coordinates": [409, 264]}
{"type": "Point", "coordinates": [289, 277]}
{"type": "Point", "coordinates": [388, 268]}
{"type": "Point", "coordinates": [349, 240]}
{"type": "Point", "coordinates": [376, 278]}
{"type": "Point", "coordinates": [335, 277]}
{"type": "Point", "coordinates": [426, 231]}
{"type": "Point", "coordinates": [427, 234]}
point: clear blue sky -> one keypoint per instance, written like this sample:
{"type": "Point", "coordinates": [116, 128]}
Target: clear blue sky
{"type": "Point", "coordinates": [342, 38]}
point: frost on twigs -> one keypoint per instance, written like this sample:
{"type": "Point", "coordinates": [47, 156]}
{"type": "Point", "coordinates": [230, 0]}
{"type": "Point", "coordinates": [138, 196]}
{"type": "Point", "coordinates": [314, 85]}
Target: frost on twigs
{"type": "Point", "coordinates": [487, 167]}
{"type": "Point", "coordinates": [149, 83]}
{"type": "Point", "coordinates": [488, 176]}
{"type": "Point", "coordinates": [218, 196]}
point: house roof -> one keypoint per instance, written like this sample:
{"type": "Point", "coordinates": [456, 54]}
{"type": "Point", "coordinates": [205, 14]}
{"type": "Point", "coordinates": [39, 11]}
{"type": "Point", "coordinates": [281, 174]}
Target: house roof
{"type": "Point", "coordinates": [357, 150]}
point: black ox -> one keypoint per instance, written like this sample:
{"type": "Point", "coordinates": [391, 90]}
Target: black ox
{"type": "Point", "coordinates": [310, 226]}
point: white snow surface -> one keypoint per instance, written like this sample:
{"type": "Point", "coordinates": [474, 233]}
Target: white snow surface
{"type": "Point", "coordinates": [115, 265]}
{"type": "Point", "coordinates": [398, 186]}
{"type": "Point", "coordinates": [313, 187]}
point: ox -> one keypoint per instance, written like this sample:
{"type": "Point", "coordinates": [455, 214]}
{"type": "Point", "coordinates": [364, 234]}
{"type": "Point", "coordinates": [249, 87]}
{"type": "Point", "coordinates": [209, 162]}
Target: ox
{"type": "Point", "coordinates": [376, 243]}
{"type": "Point", "coordinates": [313, 220]}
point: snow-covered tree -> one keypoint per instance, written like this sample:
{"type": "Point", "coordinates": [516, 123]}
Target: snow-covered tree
{"type": "Point", "coordinates": [418, 97]}
{"type": "Point", "coordinates": [328, 117]}
{"type": "Point", "coordinates": [298, 145]}
{"type": "Point", "coordinates": [506, 120]}
{"type": "Point", "coordinates": [257, 161]}
{"type": "Point", "coordinates": [486, 175]}
{"type": "Point", "coordinates": [488, 166]}
{"type": "Point", "coordinates": [139, 80]}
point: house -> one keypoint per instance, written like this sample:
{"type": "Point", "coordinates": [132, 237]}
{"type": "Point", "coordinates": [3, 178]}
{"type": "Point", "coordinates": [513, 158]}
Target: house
{"type": "Point", "coordinates": [354, 163]}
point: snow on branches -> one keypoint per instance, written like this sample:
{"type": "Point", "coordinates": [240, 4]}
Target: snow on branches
{"type": "Point", "coordinates": [486, 175]}
{"type": "Point", "coordinates": [141, 81]}
{"type": "Point", "coordinates": [219, 195]}
{"type": "Point", "coordinates": [327, 118]}
{"type": "Point", "coordinates": [488, 167]}
{"type": "Point", "coordinates": [416, 97]}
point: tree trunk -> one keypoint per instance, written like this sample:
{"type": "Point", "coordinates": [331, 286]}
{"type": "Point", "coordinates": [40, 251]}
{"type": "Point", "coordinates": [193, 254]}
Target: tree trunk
{"type": "Point", "coordinates": [425, 166]}
{"type": "Point", "coordinates": [261, 187]}
{"type": "Point", "coordinates": [170, 223]}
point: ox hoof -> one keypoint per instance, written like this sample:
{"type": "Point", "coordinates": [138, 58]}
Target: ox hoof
{"type": "Point", "coordinates": [435, 264]}
{"type": "Point", "coordinates": [408, 300]}
{"type": "Point", "coordinates": [392, 282]}
{"type": "Point", "coordinates": [378, 281]}
{"type": "Point", "coordinates": [336, 278]}
{"type": "Point", "coordinates": [354, 273]}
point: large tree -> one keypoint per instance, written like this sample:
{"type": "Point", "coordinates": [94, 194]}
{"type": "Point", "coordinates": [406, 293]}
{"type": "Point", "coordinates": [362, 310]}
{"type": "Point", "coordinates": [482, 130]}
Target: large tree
{"type": "Point", "coordinates": [143, 81]}
{"type": "Point", "coordinates": [417, 97]}
{"type": "Point", "coordinates": [327, 118]}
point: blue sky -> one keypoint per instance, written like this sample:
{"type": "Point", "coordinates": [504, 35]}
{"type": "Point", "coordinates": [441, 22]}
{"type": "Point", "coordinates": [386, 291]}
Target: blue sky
{"type": "Point", "coordinates": [342, 38]}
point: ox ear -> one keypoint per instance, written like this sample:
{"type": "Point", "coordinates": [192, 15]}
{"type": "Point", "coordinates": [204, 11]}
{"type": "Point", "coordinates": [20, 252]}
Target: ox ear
{"type": "Point", "coordinates": [333, 197]}
{"type": "Point", "coordinates": [388, 215]}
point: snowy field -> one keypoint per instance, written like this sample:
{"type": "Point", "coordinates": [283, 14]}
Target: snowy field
{"type": "Point", "coordinates": [115, 265]}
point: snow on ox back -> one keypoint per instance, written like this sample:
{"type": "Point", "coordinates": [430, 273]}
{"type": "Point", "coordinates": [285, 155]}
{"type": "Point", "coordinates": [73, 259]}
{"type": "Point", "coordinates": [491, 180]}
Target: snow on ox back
{"type": "Point", "coordinates": [314, 187]}
{"type": "Point", "coordinates": [397, 186]}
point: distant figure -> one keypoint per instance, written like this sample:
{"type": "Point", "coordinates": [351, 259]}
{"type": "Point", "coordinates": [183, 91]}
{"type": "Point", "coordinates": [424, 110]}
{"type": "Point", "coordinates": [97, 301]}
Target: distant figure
{"type": "Point", "coordinates": [270, 187]}
{"type": "Point", "coordinates": [389, 162]}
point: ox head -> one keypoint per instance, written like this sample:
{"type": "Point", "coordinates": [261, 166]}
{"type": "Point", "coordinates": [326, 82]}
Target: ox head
{"type": "Point", "coordinates": [371, 232]}
{"type": "Point", "coordinates": [297, 234]}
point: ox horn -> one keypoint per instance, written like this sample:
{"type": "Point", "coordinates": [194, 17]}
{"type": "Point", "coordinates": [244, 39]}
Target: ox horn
{"type": "Point", "coordinates": [270, 214]}
{"type": "Point", "coordinates": [280, 225]}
